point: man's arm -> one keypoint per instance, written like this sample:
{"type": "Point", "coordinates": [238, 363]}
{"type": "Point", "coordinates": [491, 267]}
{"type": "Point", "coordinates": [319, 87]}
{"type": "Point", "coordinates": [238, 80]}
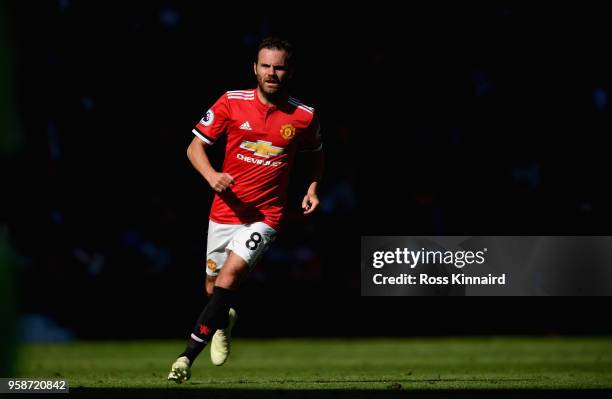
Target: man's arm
{"type": "Point", "coordinates": [196, 152]}
{"type": "Point", "coordinates": [311, 199]}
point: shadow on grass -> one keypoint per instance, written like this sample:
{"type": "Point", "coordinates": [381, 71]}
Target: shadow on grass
{"type": "Point", "coordinates": [391, 393]}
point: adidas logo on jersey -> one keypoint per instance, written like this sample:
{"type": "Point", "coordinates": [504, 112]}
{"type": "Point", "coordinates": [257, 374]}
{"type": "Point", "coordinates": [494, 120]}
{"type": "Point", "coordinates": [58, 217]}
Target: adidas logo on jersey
{"type": "Point", "coordinates": [246, 126]}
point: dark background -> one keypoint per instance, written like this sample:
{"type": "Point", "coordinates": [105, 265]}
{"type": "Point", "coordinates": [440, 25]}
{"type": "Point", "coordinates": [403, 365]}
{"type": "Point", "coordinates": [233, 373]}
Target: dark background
{"type": "Point", "coordinates": [452, 121]}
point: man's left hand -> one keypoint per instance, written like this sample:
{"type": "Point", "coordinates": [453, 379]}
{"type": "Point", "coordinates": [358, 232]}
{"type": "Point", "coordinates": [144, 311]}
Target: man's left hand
{"type": "Point", "coordinates": [310, 203]}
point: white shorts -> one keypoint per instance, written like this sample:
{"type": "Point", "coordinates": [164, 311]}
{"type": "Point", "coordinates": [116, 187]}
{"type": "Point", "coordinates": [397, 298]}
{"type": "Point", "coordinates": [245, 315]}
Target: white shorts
{"type": "Point", "coordinates": [249, 241]}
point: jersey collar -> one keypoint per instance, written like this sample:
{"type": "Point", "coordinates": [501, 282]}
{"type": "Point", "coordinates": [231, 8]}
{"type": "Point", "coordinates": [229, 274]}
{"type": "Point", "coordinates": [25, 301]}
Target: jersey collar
{"type": "Point", "coordinates": [285, 106]}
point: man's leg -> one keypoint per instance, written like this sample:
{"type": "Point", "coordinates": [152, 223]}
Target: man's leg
{"type": "Point", "coordinates": [248, 244]}
{"type": "Point", "coordinates": [245, 247]}
{"type": "Point", "coordinates": [214, 316]}
{"type": "Point", "coordinates": [209, 284]}
{"type": "Point", "coordinates": [215, 313]}
{"type": "Point", "coordinates": [220, 344]}
{"type": "Point", "coordinates": [234, 271]}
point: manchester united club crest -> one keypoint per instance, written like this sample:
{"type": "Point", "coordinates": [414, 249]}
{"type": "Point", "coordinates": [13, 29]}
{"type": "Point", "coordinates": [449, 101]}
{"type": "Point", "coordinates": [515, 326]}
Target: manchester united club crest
{"type": "Point", "coordinates": [211, 265]}
{"type": "Point", "coordinates": [287, 131]}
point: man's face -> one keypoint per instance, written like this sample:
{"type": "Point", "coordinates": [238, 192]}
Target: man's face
{"type": "Point", "coordinates": [272, 71]}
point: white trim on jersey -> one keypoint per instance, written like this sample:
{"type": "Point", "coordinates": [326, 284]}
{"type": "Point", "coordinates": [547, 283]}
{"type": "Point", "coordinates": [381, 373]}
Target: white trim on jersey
{"type": "Point", "coordinates": [204, 139]}
{"type": "Point", "coordinates": [298, 103]}
{"type": "Point", "coordinates": [241, 91]}
{"type": "Point", "coordinates": [239, 97]}
{"type": "Point", "coordinates": [301, 106]}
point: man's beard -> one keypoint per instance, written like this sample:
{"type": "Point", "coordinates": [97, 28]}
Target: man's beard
{"type": "Point", "coordinates": [280, 91]}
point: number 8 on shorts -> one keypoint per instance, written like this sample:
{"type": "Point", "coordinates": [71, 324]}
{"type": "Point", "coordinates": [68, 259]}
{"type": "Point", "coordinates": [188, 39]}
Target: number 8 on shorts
{"type": "Point", "coordinates": [254, 241]}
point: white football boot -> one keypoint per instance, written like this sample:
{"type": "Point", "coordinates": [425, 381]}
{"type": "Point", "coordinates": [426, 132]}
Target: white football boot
{"type": "Point", "coordinates": [220, 345]}
{"type": "Point", "coordinates": [181, 371]}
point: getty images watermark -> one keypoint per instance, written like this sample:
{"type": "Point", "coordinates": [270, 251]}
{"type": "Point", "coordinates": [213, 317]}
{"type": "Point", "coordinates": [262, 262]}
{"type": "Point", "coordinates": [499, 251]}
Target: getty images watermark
{"type": "Point", "coordinates": [486, 265]}
{"type": "Point", "coordinates": [406, 266]}
{"type": "Point", "coordinates": [411, 258]}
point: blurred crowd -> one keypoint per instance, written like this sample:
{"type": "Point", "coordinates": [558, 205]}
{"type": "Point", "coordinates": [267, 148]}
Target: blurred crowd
{"type": "Point", "coordinates": [462, 121]}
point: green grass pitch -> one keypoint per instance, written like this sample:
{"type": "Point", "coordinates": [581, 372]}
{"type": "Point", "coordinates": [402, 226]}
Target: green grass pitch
{"type": "Point", "coordinates": [334, 367]}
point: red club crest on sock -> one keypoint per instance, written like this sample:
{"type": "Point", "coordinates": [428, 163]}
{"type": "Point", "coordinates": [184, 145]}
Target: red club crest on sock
{"type": "Point", "coordinates": [204, 330]}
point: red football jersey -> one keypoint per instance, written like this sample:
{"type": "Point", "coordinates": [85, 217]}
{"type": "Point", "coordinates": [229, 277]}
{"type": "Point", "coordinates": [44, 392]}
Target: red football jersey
{"type": "Point", "coordinates": [262, 141]}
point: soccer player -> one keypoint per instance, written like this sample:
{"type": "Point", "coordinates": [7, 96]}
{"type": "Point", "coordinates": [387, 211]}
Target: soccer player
{"type": "Point", "coordinates": [265, 127]}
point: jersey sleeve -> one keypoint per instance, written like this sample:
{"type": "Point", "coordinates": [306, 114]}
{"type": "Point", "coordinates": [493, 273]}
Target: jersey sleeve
{"type": "Point", "coordinates": [215, 122]}
{"type": "Point", "coordinates": [311, 138]}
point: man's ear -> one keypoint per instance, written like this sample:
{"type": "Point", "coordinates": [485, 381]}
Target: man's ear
{"type": "Point", "coordinates": [255, 68]}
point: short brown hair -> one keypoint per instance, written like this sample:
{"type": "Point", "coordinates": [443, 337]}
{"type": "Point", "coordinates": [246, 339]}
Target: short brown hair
{"type": "Point", "coordinates": [275, 43]}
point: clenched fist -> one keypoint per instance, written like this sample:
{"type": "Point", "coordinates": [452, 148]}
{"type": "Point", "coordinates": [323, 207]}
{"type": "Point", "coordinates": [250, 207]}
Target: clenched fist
{"type": "Point", "coordinates": [220, 181]}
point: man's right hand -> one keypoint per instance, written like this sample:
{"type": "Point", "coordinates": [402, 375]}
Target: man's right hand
{"type": "Point", "coordinates": [220, 181]}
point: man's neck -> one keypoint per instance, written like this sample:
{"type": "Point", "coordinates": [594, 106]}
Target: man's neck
{"type": "Point", "coordinates": [276, 101]}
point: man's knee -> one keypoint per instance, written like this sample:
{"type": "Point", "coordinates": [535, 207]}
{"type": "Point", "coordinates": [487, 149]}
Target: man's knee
{"type": "Point", "coordinates": [233, 272]}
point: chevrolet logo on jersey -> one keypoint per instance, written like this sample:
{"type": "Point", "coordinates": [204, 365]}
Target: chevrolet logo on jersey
{"type": "Point", "coordinates": [262, 148]}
